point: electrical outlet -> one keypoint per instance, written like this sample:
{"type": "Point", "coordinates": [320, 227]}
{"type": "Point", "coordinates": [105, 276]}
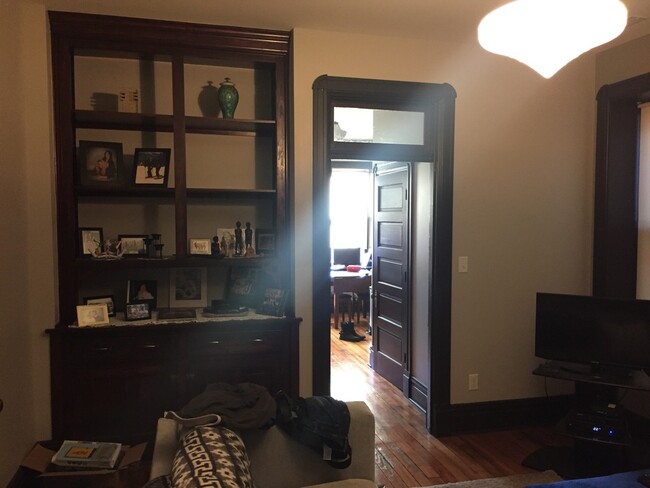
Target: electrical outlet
{"type": "Point", "coordinates": [473, 381]}
{"type": "Point", "coordinates": [463, 264]}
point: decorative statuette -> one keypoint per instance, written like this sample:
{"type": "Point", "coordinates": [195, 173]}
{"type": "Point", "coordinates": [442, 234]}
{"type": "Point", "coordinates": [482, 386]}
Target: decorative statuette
{"type": "Point", "coordinates": [209, 100]}
{"type": "Point", "coordinates": [228, 98]}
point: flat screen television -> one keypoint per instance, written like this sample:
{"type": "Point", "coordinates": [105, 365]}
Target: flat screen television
{"type": "Point", "coordinates": [601, 332]}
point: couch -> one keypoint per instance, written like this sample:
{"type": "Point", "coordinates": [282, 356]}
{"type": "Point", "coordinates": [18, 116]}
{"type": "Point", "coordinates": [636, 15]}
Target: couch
{"type": "Point", "coordinates": [278, 461]}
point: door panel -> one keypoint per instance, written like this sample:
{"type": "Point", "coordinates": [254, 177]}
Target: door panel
{"type": "Point", "coordinates": [389, 351]}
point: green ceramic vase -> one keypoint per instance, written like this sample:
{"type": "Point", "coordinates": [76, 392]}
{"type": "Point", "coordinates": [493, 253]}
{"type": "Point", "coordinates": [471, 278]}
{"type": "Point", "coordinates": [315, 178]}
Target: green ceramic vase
{"type": "Point", "coordinates": [228, 98]}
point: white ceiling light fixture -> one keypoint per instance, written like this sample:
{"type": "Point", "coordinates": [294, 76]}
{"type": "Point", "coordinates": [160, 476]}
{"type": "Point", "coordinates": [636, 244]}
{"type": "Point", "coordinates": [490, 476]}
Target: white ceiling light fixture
{"type": "Point", "coordinates": [547, 34]}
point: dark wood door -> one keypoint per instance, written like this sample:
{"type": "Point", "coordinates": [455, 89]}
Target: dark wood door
{"type": "Point", "coordinates": [390, 274]}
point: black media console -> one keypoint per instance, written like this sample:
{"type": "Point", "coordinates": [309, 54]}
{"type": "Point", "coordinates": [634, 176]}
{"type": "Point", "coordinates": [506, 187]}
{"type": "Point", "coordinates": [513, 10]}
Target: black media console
{"type": "Point", "coordinates": [607, 437]}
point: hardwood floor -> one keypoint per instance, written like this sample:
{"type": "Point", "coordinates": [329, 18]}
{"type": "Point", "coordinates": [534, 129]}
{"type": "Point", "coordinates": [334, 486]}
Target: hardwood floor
{"type": "Point", "coordinates": [406, 455]}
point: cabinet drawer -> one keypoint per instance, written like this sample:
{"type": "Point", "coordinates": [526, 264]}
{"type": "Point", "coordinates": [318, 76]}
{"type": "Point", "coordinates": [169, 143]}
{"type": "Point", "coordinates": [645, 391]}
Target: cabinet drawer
{"type": "Point", "coordinates": [101, 352]}
{"type": "Point", "coordinates": [241, 342]}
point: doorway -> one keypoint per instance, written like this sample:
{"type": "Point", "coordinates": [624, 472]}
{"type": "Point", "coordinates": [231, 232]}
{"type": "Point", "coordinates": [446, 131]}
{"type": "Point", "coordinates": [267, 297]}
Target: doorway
{"type": "Point", "coordinates": [400, 105]}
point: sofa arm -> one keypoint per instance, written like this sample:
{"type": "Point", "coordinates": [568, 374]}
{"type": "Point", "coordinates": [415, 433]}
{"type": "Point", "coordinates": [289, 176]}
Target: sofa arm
{"type": "Point", "coordinates": [165, 447]}
{"type": "Point", "coordinates": [277, 460]}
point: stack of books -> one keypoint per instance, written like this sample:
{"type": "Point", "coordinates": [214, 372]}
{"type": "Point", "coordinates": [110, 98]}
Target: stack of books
{"type": "Point", "coordinates": [81, 454]}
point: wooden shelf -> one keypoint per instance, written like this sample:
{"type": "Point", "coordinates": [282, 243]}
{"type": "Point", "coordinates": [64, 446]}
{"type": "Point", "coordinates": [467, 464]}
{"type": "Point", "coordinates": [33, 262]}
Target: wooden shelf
{"type": "Point", "coordinates": [97, 119]}
{"type": "Point", "coordinates": [149, 192]}
{"type": "Point", "coordinates": [92, 264]}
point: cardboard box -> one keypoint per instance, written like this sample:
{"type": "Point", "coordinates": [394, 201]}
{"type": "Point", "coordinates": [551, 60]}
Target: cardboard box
{"type": "Point", "coordinates": [38, 459]}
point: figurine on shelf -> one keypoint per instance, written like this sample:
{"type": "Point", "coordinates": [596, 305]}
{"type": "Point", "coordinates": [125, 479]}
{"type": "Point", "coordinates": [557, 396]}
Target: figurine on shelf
{"type": "Point", "coordinates": [112, 250]}
{"type": "Point", "coordinates": [239, 243]}
{"type": "Point", "coordinates": [248, 240]}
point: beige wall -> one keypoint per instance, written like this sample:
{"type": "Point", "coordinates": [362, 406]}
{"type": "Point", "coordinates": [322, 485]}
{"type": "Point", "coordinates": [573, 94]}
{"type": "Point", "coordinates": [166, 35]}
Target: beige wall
{"type": "Point", "coordinates": [27, 305]}
{"type": "Point", "coordinates": [623, 62]}
{"type": "Point", "coordinates": [522, 192]}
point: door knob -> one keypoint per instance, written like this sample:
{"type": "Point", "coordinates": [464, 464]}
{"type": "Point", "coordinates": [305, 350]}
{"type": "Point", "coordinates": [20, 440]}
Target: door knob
{"type": "Point", "coordinates": [1, 404]}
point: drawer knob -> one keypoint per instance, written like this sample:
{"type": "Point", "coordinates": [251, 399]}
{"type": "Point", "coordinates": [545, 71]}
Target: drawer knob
{"type": "Point", "coordinates": [258, 340]}
{"type": "Point", "coordinates": [102, 349]}
{"type": "Point", "coordinates": [150, 346]}
{"type": "Point", "coordinates": [214, 342]}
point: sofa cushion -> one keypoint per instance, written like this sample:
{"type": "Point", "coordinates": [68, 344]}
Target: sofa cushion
{"type": "Point", "coordinates": [211, 456]}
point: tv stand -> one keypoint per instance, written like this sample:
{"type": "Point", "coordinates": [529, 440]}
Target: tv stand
{"type": "Point", "coordinates": [595, 374]}
{"type": "Point", "coordinates": [606, 437]}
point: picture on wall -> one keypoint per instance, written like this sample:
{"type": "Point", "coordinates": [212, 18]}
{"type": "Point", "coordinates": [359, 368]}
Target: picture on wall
{"type": "Point", "coordinates": [151, 166]}
{"type": "Point", "coordinates": [100, 163]}
{"type": "Point", "coordinates": [188, 287]}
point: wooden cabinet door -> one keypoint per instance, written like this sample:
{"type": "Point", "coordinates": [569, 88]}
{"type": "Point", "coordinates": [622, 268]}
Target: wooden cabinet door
{"type": "Point", "coordinates": [253, 355]}
{"type": "Point", "coordinates": [117, 387]}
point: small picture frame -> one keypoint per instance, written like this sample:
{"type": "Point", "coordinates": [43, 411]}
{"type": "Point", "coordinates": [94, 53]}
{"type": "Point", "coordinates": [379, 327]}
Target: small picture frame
{"type": "Point", "coordinates": [137, 311]}
{"type": "Point", "coordinates": [92, 315]}
{"type": "Point", "coordinates": [202, 247]}
{"type": "Point", "coordinates": [151, 166]}
{"type": "Point", "coordinates": [90, 239]}
{"type": "Point", "coordinates": [138, 291]}
{"type": "Point", "coordinates": [107, 299]}
{"type": "Point", "coordinates": [133, 244]}
{"type": "Point", "coordinates": [264, 241]}
{"type": "Point", "coordinates": [273, 302]}
{"type": "Point", "coordinates": [100, 163]}
{"type": "Point", "coordinates": [243, 286]}
{"type": "Point", "coordinates": [188, 288]}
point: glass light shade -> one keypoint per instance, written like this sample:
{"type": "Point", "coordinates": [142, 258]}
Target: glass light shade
{"type": "Point", "coordinates": [547, 34]}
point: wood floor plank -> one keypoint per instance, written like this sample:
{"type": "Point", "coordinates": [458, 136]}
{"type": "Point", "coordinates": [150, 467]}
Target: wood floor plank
{"type": "Point", "coordinates": [406, 455]}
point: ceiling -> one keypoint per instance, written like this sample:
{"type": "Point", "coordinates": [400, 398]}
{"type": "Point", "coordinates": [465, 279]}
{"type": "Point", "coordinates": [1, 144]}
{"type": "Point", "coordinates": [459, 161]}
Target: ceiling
{"type": "Point", "coordinates": [452, 20]}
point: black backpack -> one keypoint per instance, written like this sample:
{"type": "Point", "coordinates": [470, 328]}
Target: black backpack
{"type": "Point", "coordinates": [320, 422]}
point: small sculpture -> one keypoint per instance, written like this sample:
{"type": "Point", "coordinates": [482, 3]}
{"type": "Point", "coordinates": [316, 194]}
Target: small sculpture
{"type": "Point", "coordinates": [239, 243]}
{"type": "Point", "coordinates": [248, 240]}
{"type": "Point", "coordinates": [112, 250]}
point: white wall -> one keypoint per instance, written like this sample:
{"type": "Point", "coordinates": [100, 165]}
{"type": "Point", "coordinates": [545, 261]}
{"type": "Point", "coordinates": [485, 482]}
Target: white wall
{"type": "Point", "coordinates": [27, 299]}
{"type": "Point", "coordinates": [522, 192]}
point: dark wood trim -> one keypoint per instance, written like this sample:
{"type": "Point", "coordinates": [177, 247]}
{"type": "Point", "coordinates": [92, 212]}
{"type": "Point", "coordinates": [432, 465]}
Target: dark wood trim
{"type": "Point", "coordinates": [418, 393]}
{"type": "Point", "coordinates": [437, 102]}
{"type": "Point", "coordinates": [500, 415]}
{"type": "Point", "coordinates": [616, 187]}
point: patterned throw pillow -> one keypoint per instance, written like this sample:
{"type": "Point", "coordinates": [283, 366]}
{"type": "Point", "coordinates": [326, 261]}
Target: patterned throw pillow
{"type": "Point", "coordinates": [211, 456]}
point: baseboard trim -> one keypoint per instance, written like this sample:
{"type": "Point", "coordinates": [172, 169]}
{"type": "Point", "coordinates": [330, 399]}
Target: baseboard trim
{"type": "Point", "coordinates": [418, 394]}
{"type": "Point", "coordinates": [498, 415]}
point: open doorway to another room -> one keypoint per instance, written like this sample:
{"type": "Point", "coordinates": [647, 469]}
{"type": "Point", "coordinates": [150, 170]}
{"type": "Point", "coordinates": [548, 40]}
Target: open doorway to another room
{"type": "Point", "coordinates": [409, 122]}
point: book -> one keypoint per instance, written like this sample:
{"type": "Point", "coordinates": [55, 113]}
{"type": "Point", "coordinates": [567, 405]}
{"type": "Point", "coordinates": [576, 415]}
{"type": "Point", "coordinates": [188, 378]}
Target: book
{"type": "Point", "coordinates": [81, 454]}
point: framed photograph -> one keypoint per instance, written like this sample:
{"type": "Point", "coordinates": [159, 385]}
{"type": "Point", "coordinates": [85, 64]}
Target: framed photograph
{"type": "Point", "coordinates": [133, 244]}
{"type": "Point", "coordinates": [273, 302]}
{"type": "Point", "coordinates": [201, 246]}
{"type": "Point", "coordinates": [151, 166]}
{"type": "Point", "coordinates": [137, 311]}
{"type": "Point", "coordinates": [138, 291]}
{"type": "Point", "coordinates": [264, 241]}
{"type": "Point", "coordinates": [242, 287]}
{"type": "Point", "coordinates": [188, 287]}
{"type": "Point", "coordinates": [107, 299]}
{"type": "Point", "coordinates": [100, 163]}
{"type": "Point", "coordinates": [90, 239]}
{"type": "Point", "coordinates": [91, 315]}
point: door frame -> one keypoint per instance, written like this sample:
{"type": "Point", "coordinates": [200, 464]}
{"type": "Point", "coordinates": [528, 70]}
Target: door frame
{"type": "Point", "coordinates": [437, 101]}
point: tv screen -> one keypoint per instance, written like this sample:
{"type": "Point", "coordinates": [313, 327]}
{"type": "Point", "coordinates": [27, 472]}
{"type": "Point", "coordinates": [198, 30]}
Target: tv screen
{"type": "Point", "coordinates": [591, 330]}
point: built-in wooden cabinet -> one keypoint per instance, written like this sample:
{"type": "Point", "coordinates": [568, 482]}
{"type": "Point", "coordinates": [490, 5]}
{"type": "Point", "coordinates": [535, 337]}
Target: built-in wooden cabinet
{"type": "Point", "coordinates": [221, 170]}
{"type": "Point", "coordinates": [114, 382]}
